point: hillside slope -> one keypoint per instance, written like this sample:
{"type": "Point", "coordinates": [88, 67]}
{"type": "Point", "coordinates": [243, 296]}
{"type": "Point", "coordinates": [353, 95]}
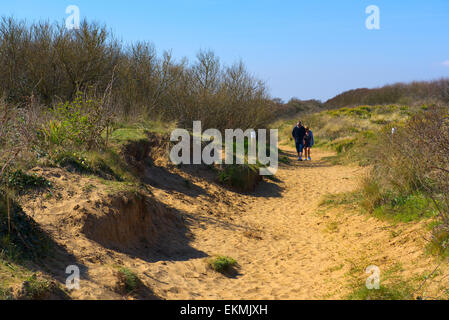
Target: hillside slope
{"type": "Point", "coordinates": [286, 244]}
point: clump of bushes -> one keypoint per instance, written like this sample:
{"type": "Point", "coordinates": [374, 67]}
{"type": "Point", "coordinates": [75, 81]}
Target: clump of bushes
{"type": "Point", "coordinates": [401, 93]}
{"type": "Point", "coordinates": [222, 264]}
{"type": "Point", "coordinates": [79, 123]}
{"type": "Point", "coordinates": [411, 168]}
{"type": "Point", "coordinates": [52, 63]}
{"type": "Point", "coordinates": [21, 181]}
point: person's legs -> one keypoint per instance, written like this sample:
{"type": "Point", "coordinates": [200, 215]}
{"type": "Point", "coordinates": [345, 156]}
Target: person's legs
{"type": "Point", "coordinates": [298, 147]}
{"type": "Point", "coordinates": [301, 147]}
{"type": "Point", "coordinates": [308, 153]}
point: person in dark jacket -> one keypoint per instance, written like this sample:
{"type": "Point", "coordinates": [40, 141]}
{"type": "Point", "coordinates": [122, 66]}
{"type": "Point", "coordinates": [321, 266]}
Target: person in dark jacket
{"type": "Point", "coordinates": [298, 134]}
{"type": "Point", "coordinates": [308, 143]}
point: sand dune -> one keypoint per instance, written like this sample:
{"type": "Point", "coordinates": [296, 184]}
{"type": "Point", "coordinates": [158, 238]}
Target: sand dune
{"type": "Point", "coordinates": [285, 247]}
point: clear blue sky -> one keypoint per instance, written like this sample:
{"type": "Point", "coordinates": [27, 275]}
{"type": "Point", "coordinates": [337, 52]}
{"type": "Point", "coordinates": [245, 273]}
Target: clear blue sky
{"type": "Point", "coordinates": [304, 49]}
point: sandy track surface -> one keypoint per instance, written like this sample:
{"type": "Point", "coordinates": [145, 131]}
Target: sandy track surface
{"type": "Point", "coordinates": [286, 245]}
{"type": "Point", "coordinates": [286, 248]}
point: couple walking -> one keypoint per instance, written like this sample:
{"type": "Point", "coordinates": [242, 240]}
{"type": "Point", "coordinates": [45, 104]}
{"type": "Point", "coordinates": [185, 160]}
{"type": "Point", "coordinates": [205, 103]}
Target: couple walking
{"type": "Point", "coordinates": [303, 137]}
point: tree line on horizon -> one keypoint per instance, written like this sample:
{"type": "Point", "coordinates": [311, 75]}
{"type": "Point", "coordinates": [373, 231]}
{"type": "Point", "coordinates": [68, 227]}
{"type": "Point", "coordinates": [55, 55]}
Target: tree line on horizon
{"type": "Point", "coordinates": [413, 93]}
{"type": "Point", "coordinates": [45, 63]}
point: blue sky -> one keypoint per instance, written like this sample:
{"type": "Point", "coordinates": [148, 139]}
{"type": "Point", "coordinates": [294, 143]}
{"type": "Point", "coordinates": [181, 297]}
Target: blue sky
{"type": "Point", "coordinates": [304, 49]}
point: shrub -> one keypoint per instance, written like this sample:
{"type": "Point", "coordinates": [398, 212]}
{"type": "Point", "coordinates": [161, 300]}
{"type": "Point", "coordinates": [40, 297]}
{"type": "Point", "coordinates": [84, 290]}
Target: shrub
{"type": "Point", "coordinates": [34, 288]}
{"type": "Point", "coordinates": [410, 174]}
{"type": "Point", "coordinates": [20, 181]}
{"type": "Point", "coordinates": [222, 263]}
{"type": "Point", "coordinates": [128, 280]}
{"type": "Point", "coordinates": [80, 122]}
{"type": "Point", "coordinates": [243, 177]}
{"type": "Point", "coordinates": [81, 164]}
{"type": "Point", "coordinates": [439, 243]}
{"type": "Point", "coordinates": [52, 63]}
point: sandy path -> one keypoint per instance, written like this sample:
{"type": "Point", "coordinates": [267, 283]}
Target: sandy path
{"type": "Point", "coordinates": [286, 245]}
{"type": "Point", "coordinates": [301, 254]}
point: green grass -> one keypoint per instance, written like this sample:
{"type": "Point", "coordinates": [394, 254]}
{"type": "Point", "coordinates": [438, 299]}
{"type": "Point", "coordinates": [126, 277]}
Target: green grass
{"type": "Point", "coordinates": [341, 199]}
{"type": "Point", "coordinates": [106, 165]}
{"type": "Point", "coordinates": [391, 287]}
{"type": "Point", "coordinates": [222, 263]}
{"type": "Point", "coordinates": [398, 291]}
{"type": "Point", "coordinates": [348, 131]}
{"type": "Point", "coordinates": [125, 132]}
{"type": "Point", "coordinates": [35, 288]}
{"type": "Point", "coordinates": [406, 209]}
{"type": "Point", "coordinates": [390, 208]}
{"type": "Point", "coordinates": [128, 280]}
{"type": "Point", "coordinates": [11, 274]}
{"type": "Point", "coordinates": [242, 177]}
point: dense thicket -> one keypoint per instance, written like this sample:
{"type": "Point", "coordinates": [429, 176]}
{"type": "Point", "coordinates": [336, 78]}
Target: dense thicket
{"type": "Point", "coordinates": [399, 93]}
{"type": "Point", "coordinates": [48, 63]}
{"type": "Point", "coordinates": [296, 106]}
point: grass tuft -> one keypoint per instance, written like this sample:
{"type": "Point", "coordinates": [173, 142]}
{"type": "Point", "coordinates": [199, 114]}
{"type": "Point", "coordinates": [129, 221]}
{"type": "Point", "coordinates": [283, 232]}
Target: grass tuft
{"type": "Point", "coordinates": [129, 282]}
{"type": "Point", "coordinates": [222, 263]}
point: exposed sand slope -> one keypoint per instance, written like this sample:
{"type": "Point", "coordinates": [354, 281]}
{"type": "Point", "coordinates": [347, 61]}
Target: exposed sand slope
{"type": "Point", "coordinates": [286, 249]}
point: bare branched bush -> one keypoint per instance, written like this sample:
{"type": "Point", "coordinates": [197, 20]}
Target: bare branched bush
{"type": "Point", "coordinates": [413, 159]}
{"type": "Point", "coordinates": [18, 127]}
{"type": "Point", "coordinates": [54, 64]}
{"type": "Point", "coordinates": [401, 93]}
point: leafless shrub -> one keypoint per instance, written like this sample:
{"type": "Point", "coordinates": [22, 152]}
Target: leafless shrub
{"type": "Point", "coordinates": [17, 133]}
{"type": "Point", "coordinates": [415, 158]}
{"type": "Point", "coordinates": [401, 93]}
{"type": "Point", "coordinates": [54, 64]}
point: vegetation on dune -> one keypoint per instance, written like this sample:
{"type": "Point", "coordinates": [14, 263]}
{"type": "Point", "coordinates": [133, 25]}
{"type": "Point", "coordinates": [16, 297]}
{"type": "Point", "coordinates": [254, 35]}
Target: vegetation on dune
{"type": "Point", "coordinates": [406, 149]}
{"type": "Point", "coordinates": [21, 241]}
{"type": "Point", "coordinates": [222, 264]}
{"type": "Point", "coordinates": [128, 280]}
{"type": "Point", "coordinates": [243, 177]}
{"type": "Point", "coordinates": [20, 236]}
{"type": "Point", "coordinates": [296, 107]}
{"type": "Point", "coordinates": [82, 101]}
{"type": "Point", "coordinates": [74, 98]}
{"type": "Point", "coordinates": [20, 182]}
{"type": "Point", "coordinates": [413, 93]}
{"type": "Point", "coordinates": [412, 164]}
{"type": "Point", "coordinates": [49, 64]}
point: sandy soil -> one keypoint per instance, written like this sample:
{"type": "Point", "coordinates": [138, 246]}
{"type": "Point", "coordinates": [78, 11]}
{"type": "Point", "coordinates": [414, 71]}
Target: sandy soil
{"type": "Point", "coordinates": [287, 247]}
